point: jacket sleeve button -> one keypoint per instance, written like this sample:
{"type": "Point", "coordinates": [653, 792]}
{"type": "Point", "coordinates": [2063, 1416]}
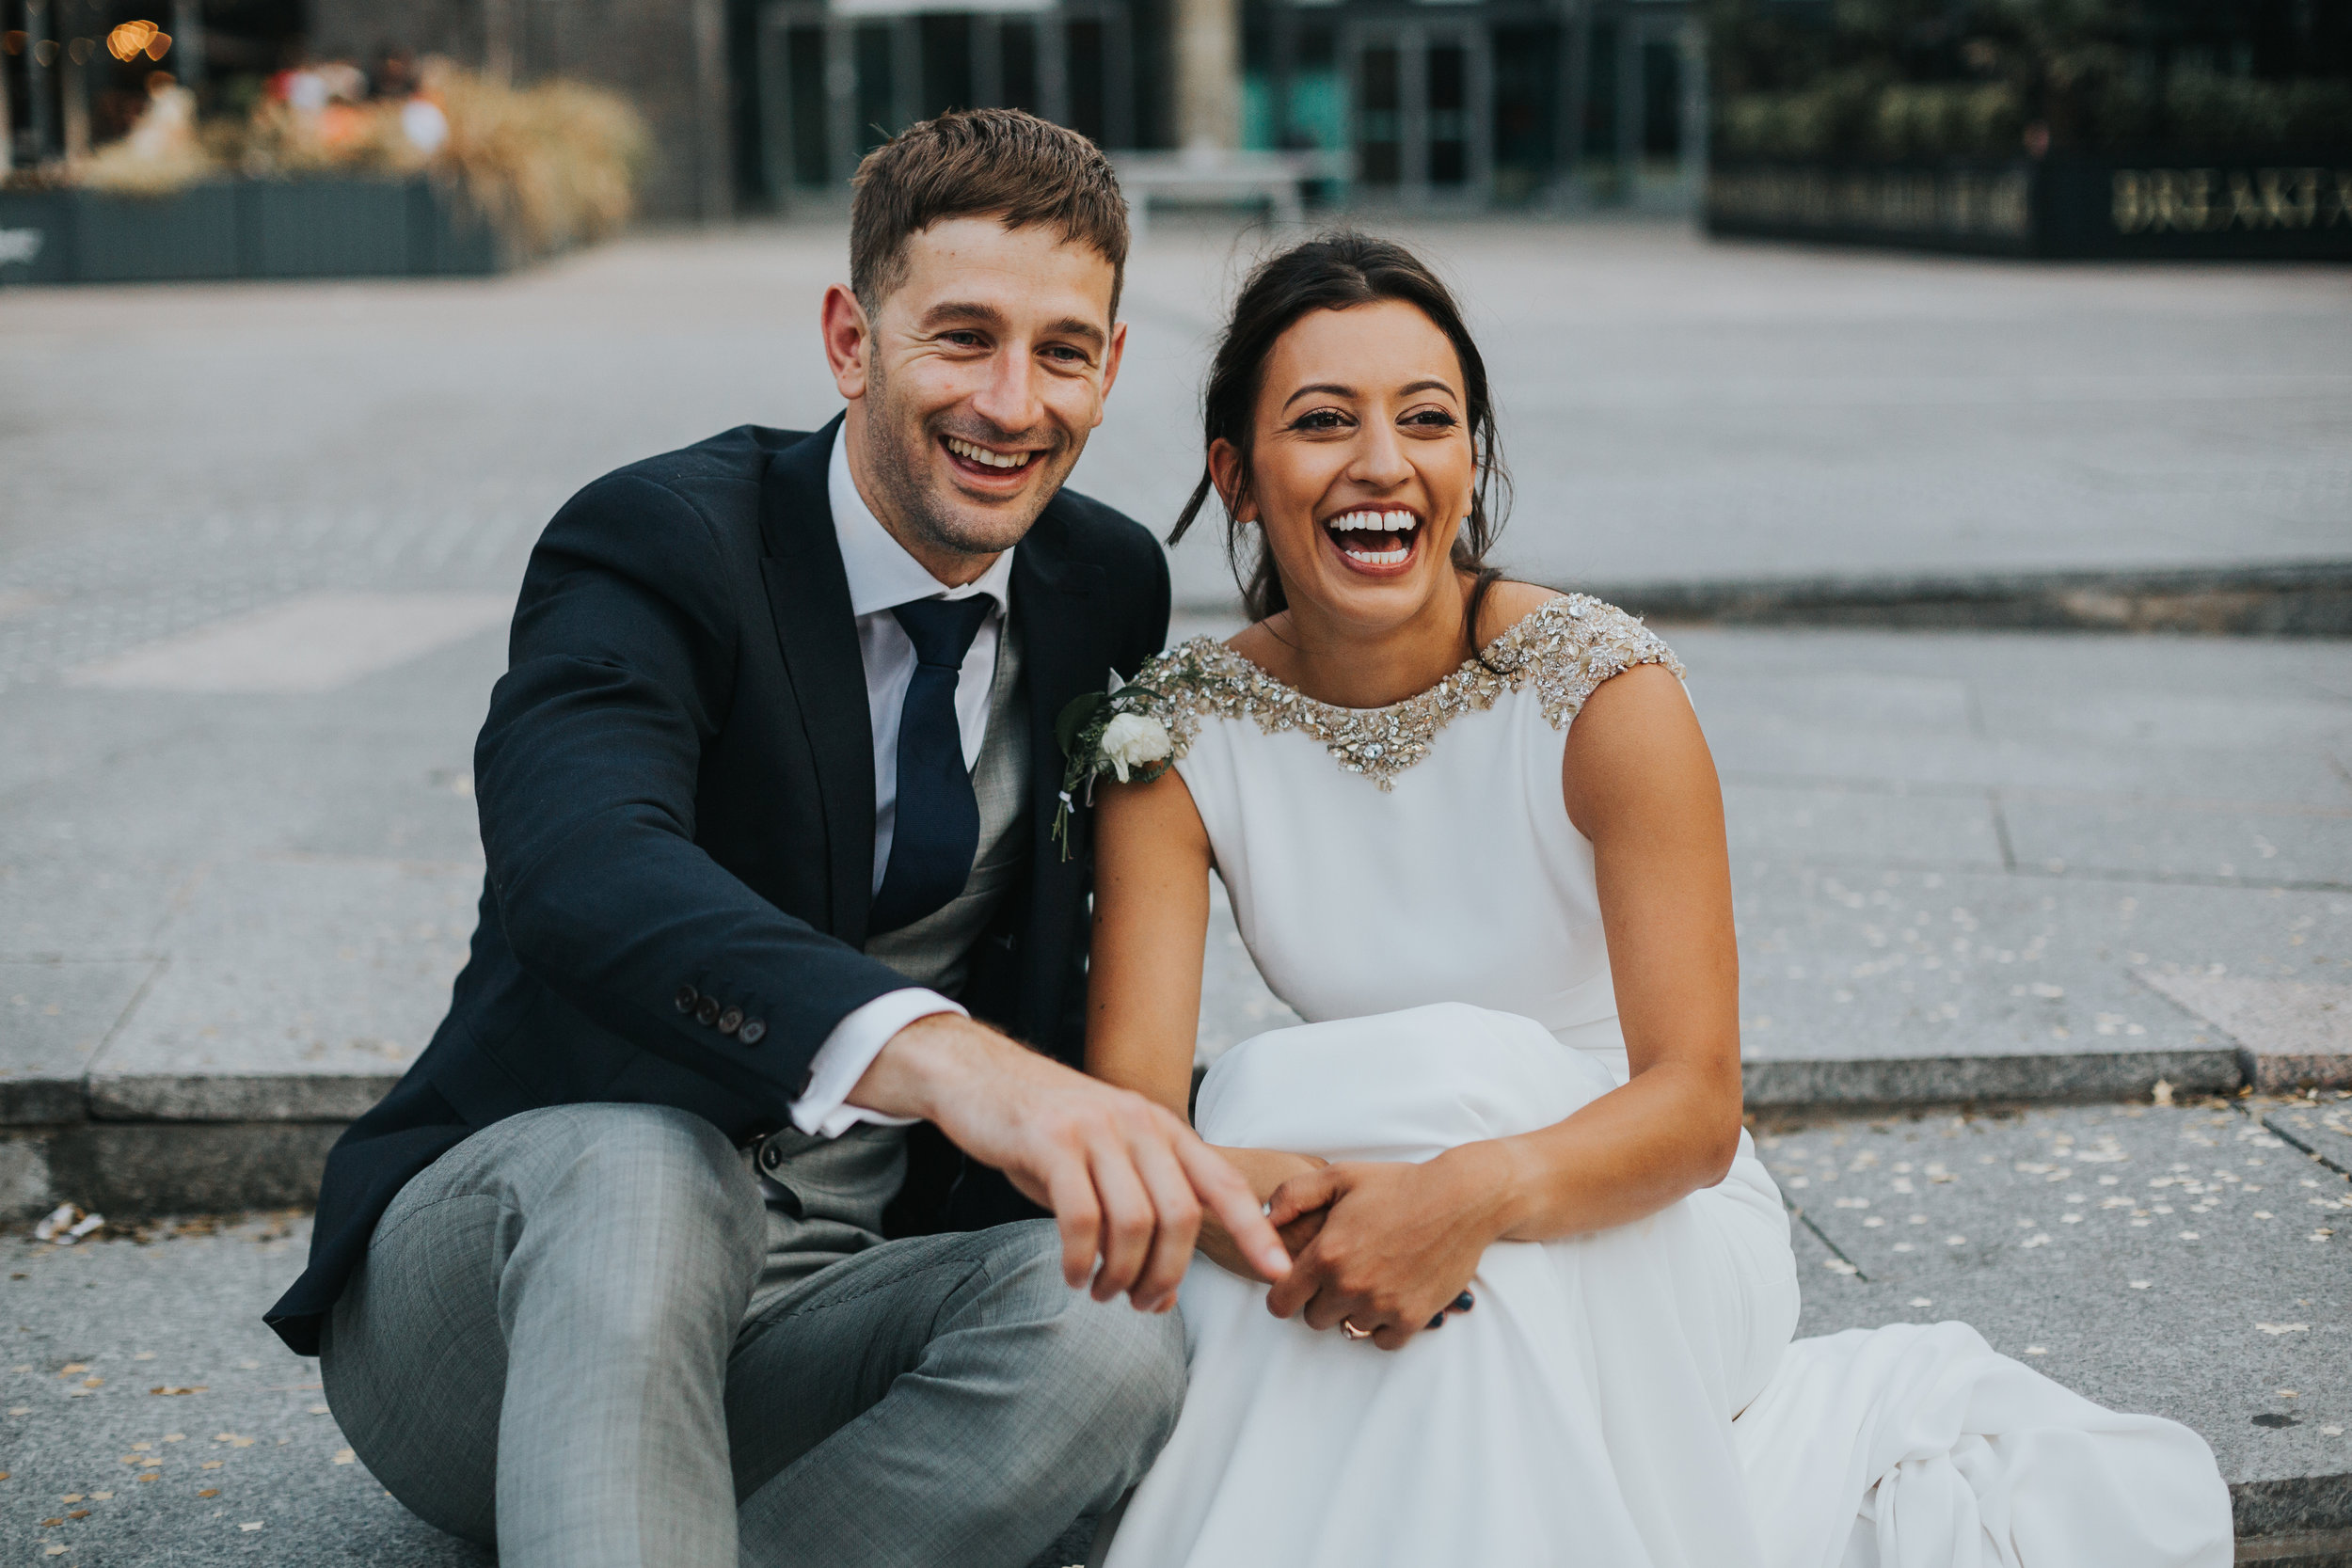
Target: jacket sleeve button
{"type": "Point", "coordinates": [708, 1010]}
{"type": "Point", "coordinates": [730, 1021]}
{"type": "Point", "coordinates": [685, 999]}
{"type": "Point", "coordinates": [753, 1032]}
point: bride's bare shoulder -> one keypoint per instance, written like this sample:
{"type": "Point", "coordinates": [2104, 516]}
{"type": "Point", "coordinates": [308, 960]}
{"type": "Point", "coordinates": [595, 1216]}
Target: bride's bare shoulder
{"type": "Point", "coordinates": [1507, 604]}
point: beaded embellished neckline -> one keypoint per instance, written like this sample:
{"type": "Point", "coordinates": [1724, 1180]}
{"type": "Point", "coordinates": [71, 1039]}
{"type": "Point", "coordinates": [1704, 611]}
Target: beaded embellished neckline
{"type": "Point", "coordinates": [1563, 648]}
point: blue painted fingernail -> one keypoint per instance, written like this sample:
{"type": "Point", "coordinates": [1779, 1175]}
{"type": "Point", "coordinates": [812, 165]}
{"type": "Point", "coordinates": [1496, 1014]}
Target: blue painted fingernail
{"type": "Point", "coordinates": [1464, 1302]}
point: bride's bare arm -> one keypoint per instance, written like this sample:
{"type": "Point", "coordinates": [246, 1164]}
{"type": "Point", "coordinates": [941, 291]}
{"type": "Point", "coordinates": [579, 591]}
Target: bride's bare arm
{"type": "Point", "coordinates": [1143, 988]}
{"type": "Point", "coordinates": [1641, 785]}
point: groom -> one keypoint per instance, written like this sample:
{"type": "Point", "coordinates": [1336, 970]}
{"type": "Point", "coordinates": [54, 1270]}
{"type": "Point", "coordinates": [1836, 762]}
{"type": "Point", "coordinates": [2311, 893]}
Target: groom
{"type": "Point", "coordinates": [764, 796]}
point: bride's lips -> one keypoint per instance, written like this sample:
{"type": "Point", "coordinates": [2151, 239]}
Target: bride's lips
{"type": "Point", "coordinates": [1375, 541]}
{"type": "Point", "coordinates": [990, 466]}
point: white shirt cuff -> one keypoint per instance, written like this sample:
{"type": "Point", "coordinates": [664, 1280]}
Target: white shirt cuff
{"type": "Point", "coordinates": [850, 1049]}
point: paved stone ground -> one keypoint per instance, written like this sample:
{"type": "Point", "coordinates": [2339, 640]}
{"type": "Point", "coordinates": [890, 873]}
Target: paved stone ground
{"type": "Point", "coordinates": [1672, 408]}
{"type": "Point", "coordinates": [2170, 1260]}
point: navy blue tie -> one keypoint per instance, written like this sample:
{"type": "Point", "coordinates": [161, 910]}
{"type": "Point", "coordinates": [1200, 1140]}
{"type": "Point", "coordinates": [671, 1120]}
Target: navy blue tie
{"type": "Point", "coordinates": [938, 827]}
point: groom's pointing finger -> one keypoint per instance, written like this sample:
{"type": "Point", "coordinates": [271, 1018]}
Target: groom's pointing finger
{"type": "Point", "coordinates": [1224, 1194]}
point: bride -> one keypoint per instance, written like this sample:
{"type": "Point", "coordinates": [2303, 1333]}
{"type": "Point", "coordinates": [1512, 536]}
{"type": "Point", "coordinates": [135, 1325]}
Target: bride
{"type": "Point", "coordinates": [1543, 1293]}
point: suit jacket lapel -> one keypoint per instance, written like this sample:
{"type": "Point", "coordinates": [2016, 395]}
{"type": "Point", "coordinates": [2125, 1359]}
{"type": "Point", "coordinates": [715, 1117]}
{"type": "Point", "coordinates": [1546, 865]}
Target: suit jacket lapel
{"type": "Point", "coordinates": [1060, 649]}
{"type": "Point", "coordinates": [808, 592]}
{"type": "Point", "coordinates": [1063, 653]}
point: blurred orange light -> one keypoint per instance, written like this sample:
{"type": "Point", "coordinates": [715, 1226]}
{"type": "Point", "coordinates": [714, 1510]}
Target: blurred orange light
{"type": "Point", "coordinates": [158, 46]}
{"type": "Point", "coordinates": [128, 41]}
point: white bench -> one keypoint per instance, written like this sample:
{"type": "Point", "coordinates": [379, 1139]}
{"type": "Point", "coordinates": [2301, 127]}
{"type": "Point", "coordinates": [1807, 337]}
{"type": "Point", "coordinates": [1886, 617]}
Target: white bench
{"type": "Point", "coordinates": [1212, 175]}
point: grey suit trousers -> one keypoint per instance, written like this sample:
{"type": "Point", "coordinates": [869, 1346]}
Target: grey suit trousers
{"type": "Point", "coordinates": [559, 1344]}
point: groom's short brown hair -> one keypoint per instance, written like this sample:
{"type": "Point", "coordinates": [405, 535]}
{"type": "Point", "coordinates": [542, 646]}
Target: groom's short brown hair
{"type": "Point", "coordinates": [1003, 163]}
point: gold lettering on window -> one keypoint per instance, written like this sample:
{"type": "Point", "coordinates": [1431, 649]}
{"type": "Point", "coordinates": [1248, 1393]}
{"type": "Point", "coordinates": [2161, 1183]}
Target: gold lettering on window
{"type": "Point", "coordinates": [2130, 209]}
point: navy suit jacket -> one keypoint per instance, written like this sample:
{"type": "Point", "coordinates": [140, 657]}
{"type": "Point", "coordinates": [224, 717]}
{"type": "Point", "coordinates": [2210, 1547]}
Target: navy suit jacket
{"type": "Point", "coordinates": [676, 790]}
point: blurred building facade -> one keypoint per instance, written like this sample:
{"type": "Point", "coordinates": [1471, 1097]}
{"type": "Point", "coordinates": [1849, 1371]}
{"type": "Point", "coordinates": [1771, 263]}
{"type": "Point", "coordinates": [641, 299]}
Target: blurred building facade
{"type": "Point", "coordinates": [765, 104]}
{"type": "Point", "coordinates": [680, 61]}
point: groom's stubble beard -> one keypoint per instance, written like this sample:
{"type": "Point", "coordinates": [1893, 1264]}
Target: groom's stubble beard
{"type": "Point", "coordinates": [899, 463]}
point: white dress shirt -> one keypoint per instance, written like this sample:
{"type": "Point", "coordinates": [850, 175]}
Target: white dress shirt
{"type": "Point", "coordinates": [883, 576]}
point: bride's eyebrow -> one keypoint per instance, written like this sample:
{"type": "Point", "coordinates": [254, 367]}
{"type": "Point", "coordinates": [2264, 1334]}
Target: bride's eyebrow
{"type": "Point", "coordinates": [1332, 387]}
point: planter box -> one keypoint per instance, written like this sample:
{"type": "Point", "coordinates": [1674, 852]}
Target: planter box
{"type": "Point", "coordinates": [191, 234]}
{"type": "Point", "coordinates": [35, 237]}
{"type": "Point", "coordinates": [2156, 207]}
{"type": "Point", "coordinates": [246, 229]}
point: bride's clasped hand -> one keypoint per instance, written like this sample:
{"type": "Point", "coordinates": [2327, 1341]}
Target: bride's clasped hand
{"type": "Point", "coordinates": [1471, 830]}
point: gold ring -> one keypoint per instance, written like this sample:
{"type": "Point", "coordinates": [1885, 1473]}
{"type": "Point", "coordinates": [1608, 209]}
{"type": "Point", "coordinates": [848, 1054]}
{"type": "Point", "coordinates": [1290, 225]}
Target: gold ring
{"type": "Point", "coordinates": [1349, 1328]}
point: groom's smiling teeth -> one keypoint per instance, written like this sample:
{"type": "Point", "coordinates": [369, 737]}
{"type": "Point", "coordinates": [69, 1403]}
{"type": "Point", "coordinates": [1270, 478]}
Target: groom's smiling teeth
{"type": "Point", "coordinates": [1382, 538]}
{"type": "Point", "coordinates": [985, 458]}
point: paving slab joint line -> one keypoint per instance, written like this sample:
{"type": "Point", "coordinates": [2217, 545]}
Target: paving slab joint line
{"type": "Point", "coordinates": [1797, 1213]}
{"type": "Point", "coordinates": [2288, 1138]}
{"type": "Point", "coordinates": [2309, 598]}
{"type": "Point", "coordinates": [2301, 1549]}
{"type": "Point", "coordinates": [2331, 1548]}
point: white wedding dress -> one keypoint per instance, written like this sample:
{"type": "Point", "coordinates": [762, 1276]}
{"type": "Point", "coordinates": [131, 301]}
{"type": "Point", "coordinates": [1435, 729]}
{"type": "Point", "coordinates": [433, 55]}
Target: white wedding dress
{"type": "Point", "coordinates": [1407, 880]}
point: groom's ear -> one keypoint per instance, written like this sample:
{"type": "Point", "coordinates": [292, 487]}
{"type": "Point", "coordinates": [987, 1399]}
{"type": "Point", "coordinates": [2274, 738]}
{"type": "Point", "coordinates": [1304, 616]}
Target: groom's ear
{"type": "Point", "coordinates": [1112, 359]}
{"type": "Point", "coordinates": [849, 337]}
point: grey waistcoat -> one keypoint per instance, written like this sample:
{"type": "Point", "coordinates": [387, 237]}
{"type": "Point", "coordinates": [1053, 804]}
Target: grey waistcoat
{"type": "Point", "coordinates": [826, 1195]}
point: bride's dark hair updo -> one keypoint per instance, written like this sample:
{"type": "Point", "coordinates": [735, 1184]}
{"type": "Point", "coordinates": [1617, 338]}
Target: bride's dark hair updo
{"type": "Point", "coordinates": [1337, 272]}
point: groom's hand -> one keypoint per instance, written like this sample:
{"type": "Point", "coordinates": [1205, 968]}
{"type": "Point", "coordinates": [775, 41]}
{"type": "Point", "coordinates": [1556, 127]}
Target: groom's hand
{"type": "Point", "coordinates": [1126, 1180]}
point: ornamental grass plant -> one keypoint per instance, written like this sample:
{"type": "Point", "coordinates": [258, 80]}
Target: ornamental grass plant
{"type": "Point", "coordinates": [552, 166]}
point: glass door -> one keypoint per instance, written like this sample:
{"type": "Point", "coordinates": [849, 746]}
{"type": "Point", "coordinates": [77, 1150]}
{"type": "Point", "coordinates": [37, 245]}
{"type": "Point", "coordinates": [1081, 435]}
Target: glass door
{"type": "Point", "coordinates": [1422, 112]}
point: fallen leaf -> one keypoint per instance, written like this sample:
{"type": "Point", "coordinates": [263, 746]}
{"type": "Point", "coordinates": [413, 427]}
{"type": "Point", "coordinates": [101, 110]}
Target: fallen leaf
{"type": "Point", "coordinates": [212, 1465]}
{"type": "Point", "coordinates": [2284, 1328]}
{"type": "Point", "coordinates": [255, 1525]}
{"type": "Point", "coordinates": [101, 1496]}
{"type": "Point", "coordinates": [79, 1513]}
{"type": "Point", "coordinates": [144, 1355]}
{"type": "Point", "coordinates": [175, 1436]}
{"type": "Point", "coordinates": [1921, 1301]}
{"type": "Point", "coordinates": [318, 1410]}
{"type": "Point", "coordinates": [344, 1456]}
{"type": "Point", "coordinates": [210, 1492]}
{"type": "Point", "coordinates": [70, 1498]}
{"type": "Point", "coordinates": [167, 1388]}
{"type": "Point", "coordinates": [47, 1523]}
{"type": "Point", "coordinates": [2140, 1284]}
{"type": "Point", "coordinates": [2036, 1350]}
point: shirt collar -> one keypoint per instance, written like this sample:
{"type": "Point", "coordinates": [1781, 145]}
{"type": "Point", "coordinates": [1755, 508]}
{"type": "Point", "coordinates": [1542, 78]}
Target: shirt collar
{"type": "Point", "coordinates": [882, 574]}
